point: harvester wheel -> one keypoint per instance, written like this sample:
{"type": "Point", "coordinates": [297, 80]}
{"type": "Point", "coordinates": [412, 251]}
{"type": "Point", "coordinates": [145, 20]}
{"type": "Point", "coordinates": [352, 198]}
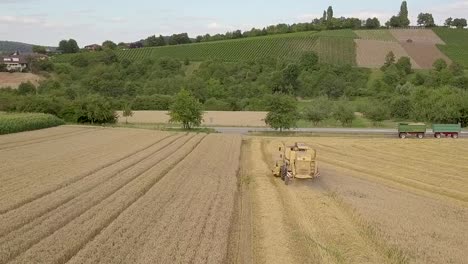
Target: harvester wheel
{"type": "Point", "coordinates": [286, 180]}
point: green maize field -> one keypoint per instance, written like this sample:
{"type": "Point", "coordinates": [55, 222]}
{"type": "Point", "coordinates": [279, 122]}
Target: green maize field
{"type": "Point", "coordinates": [19, 122]}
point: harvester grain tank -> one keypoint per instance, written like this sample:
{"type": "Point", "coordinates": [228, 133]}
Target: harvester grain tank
{"type": "Point", "coordinates": [296, 162]}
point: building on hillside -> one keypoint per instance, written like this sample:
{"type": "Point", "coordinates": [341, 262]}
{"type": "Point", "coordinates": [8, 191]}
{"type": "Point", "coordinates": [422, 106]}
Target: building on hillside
{"type": "Point", "coordinates": [93, 47]}
{"type": "Point", "coordinates": [14, 62]}
{"type": "Point", "coordinates": [17, 62]}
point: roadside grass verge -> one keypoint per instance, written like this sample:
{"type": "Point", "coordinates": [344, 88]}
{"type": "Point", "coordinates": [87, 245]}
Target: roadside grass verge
{"type": "Point", "coordinates": [19, 122]}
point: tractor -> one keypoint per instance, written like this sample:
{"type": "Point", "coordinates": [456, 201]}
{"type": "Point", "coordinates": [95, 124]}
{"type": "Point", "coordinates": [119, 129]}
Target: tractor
{"type": "Point", "coordinates": [296, 162]}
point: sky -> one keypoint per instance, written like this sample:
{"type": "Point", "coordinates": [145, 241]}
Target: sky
{"type": "Point", "coordinates": [46, 22]}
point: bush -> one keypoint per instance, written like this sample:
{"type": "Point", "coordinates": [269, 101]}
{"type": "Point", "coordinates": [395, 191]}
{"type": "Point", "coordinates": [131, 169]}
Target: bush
{"type": "Point", "coordinates": [440, 65]}
{"type": "Point", "coordinates": [13, 123]}
{"type": "Point", "coordinates": [94, 109]}
{"type": "Point", "coordinates": [26, 88]}
{"type": "Point", "coordinates": [404, 65]}
{"type": "Point", "coordinates": [376, 112]}
{"type": "Point", "coordinates": [400, 107]}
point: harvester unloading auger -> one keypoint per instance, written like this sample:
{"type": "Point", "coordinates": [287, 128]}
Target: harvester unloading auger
{"type": "Point", "coordinates": [296, 162]}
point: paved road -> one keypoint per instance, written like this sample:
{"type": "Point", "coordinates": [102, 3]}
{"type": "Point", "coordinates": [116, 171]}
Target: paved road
{"type": "Point", "coordinates": [377, 131]}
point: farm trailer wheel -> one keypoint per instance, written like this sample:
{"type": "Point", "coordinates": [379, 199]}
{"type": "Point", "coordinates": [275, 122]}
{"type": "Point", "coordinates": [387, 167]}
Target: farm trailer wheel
{"type": "Point", "coordinates": [402, 135]}
{"type": "Point", "coordinates": [438, 135]}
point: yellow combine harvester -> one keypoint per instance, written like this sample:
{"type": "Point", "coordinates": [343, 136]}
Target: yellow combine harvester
{"type": "Point", "coordinates": [298, 161]}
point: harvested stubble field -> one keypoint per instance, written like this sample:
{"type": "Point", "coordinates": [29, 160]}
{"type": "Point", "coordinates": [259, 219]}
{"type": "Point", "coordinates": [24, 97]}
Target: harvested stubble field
{"type": "Point", "coordinates": [210, 118]}
{"type": "Point", "coordinates": [13, 80]}
{"type": "Point", "coordinates": [88, 195]}
{"type": "Point", "coordinates": [372, 53]}
{"type": "Point", "coordinates": [100, 195]}
{"type": "Point", "coordinates": [377, 201]}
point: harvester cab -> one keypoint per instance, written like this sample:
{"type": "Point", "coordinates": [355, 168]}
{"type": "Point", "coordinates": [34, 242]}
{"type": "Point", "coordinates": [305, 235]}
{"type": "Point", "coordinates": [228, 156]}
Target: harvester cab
{"type": "Point", "coordinates": [296, 162]}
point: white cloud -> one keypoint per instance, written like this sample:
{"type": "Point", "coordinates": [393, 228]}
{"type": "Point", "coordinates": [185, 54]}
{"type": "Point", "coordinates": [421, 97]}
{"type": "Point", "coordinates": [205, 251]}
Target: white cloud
{"type": "Point", "coordinates": [214, 25]}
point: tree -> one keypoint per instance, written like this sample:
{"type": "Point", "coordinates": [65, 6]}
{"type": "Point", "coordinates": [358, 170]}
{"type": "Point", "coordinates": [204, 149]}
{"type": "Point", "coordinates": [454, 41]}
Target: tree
{"type": "Point", "coordinates": [372, 23]}
{"type": "Point", "coordinates": [400, 107]}
{"type": "Point", "coordinates": [448, 22]}
{"type": "Point", "coordinates": [402, 19]}
{"type": "Point", "coordinates": [389, 60]}
{"type": "Point", "coordinates": [3, 67]}
{"type": "Point", "coordinates": [309, 60]}
{"type": "Point", "coordinates": [392, 76]}
{"type": "Point", "coordinates": [324, 17]}
{"type": "Point", "coordinates": [161, 41]}
{"type": "Point", "coordinates": [426, 19]}
{"type": "Point", "coordinates": [127, 112]}
{"type": "Point", "coordinates": [459, 23]}
{"type": "Point", "coordinates": [394, 22]}
{"type": "Point", "coordinates": [330, 14]}
{"type": "Point", "coordinates": [94, 109]}
{"type": "Point", "coordinates": [344, 113]}
{"type": "Point", "coordinates": [68, 46]}
{"type": "Point", "coordinates": [318, 111]}
{"type": "Point", "coordinates": [186, 109]}
{"type": "Point", "coordinates": [376, 112]}
{"type": "Point", "coordinates": [403, 15]}
{"type": "Point", "coordinates": [440, 65]}
{"type": "Point", "coordinates": [26, 88]}
{"type": "Point", "coordinates": [108, 44]}
{"type": "Point", "coordinates": [39, 49]}
{"type": "Point", "coordinates": [456, 69]}
{"type": "Point", "coordinates": [404, 65]}
{"type": "Point", "coordinates": [283, 113]}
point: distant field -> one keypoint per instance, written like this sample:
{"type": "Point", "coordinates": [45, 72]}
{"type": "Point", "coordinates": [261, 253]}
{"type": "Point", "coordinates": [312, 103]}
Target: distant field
{"type": "Point", "coordinates": [378, 34]}
{"type": "Point", "coordinates": [13, 80]}
{"type": "Point", "coordinates": [457, 44]}
{"type": "Point", "coordinates": [332, 47]}
{"type": "Point", "coordinates": [210, 118]}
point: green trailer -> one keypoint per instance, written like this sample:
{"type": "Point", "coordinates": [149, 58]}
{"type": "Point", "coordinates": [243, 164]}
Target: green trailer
{"type": "Point", "coordinates": [447, 130]}
{"type": "Point", "coordinates": [412, 129]}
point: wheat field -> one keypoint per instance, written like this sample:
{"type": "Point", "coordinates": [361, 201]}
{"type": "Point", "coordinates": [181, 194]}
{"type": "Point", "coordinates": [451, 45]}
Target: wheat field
{"type": "Point", "coordinates": [87, 195]}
